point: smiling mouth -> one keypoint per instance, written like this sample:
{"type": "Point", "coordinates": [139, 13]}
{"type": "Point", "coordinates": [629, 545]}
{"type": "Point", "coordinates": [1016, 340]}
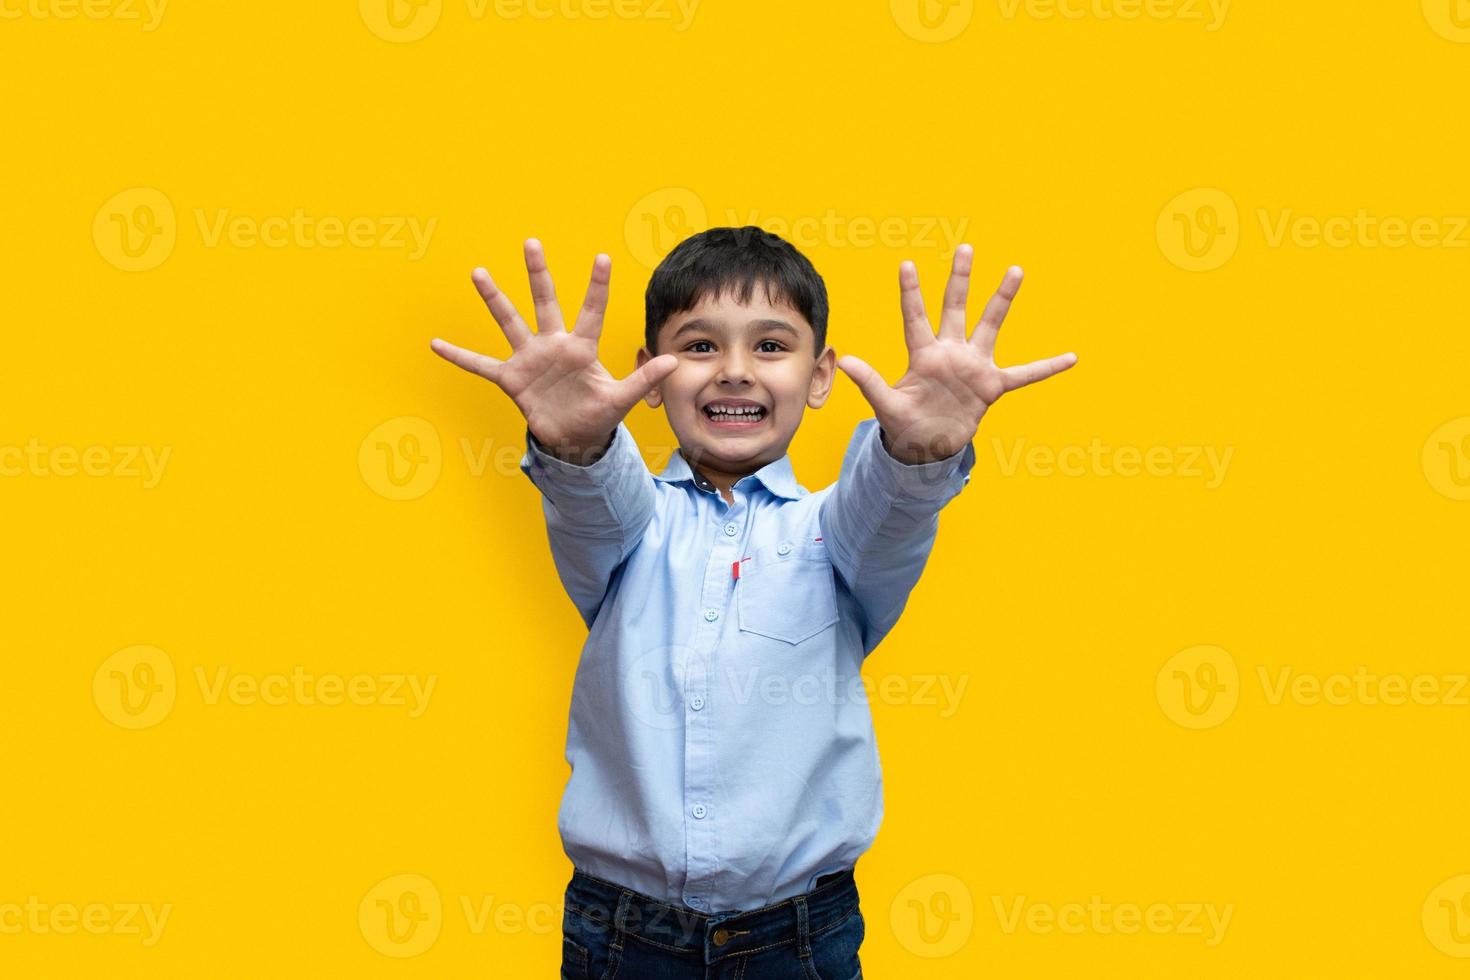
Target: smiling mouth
{"type": "Point", "coordinates": [747, 417]}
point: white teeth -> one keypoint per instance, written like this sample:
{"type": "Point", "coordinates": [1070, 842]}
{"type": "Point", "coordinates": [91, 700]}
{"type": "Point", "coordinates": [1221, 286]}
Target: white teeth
{"type": "Point", "coordinates": [735, 412]}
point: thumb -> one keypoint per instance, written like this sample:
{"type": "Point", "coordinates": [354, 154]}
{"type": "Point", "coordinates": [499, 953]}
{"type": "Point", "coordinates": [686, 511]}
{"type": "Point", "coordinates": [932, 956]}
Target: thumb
{"type": "Point", "coordinates": [630, 390]}
{"type": "Point", "coordinates": [868, 381]}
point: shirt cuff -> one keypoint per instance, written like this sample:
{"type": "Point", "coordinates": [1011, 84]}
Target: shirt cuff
{"type": "Point", "coordinates": [934, 480]}
{"type": "Point", "coordinates": [592, 474]}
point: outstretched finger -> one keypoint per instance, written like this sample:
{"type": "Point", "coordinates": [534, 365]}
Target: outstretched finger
{"type": "Point", "coordinates": [502, 309]}
{"type": "Point", "coordinates": [630, 390]}
{"type": "Point", "coordinates": [916, 329]}
{"type": "Point", "coordinates": [1025, 374]}
{"type": "Point", "coordinates": [869, 382]}
{"type": "Point", "coordinates": [996, 310]}
{"type": "Point", "coordinates": [543, 292]}
{"type": "Point", "coordinates": [589, 320]}
{"type": "Point", "coordinates": [952, 322]}
{"type": "Point", "coordinates": [486, 367]}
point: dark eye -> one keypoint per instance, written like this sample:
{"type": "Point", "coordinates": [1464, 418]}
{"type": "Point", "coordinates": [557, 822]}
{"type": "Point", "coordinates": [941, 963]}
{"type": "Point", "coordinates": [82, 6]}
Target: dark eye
{"type": "Point", "coordinates": [697, 343]}
{"type": "Point", "coordinates": [774, 343]}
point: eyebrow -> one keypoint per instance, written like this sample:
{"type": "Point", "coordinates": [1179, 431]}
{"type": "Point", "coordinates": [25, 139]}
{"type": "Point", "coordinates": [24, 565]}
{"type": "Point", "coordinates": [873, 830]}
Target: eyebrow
{"type": "Point", "coordinates": [702, 324]}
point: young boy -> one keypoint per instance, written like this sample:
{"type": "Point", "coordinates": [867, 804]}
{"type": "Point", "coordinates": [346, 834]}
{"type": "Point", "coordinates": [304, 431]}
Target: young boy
{"type": "Point", "coordinates": [725, 776]}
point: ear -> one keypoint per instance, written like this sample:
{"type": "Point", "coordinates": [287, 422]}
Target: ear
{"type": "Point", "coordinates": [823, 374]}
{"type": "Point", "coordinates": [655, 395]}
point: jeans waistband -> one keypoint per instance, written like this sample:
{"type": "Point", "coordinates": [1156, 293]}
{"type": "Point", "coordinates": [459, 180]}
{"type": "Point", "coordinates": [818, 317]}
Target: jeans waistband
{"type": "Point", "coordinates": [628, 913]}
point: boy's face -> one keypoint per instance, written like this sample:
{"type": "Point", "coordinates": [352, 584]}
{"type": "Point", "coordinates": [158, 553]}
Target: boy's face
{"type": "Point", "coordinates": [757, 355]}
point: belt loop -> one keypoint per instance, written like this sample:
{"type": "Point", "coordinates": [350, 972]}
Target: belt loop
{"type": "Point", "coordinates": [803, 929]}
{"type": "Point", "coordinates": [620, 919]}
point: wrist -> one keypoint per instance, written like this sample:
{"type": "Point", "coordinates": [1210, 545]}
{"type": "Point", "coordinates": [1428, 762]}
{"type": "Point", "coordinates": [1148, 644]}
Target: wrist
{"type": "Point", "coordinates": [577, 452]}
{"type": "Point", "coordinates": [916, 453]}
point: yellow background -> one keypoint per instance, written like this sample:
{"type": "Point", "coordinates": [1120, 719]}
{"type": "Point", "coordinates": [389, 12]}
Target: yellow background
{"type": "Point", "coordinates": [1334, 540]}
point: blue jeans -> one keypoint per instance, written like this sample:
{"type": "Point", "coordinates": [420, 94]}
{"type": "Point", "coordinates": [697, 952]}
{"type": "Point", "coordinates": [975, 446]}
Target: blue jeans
{"type": "Point", "coordinates": [609, 931]}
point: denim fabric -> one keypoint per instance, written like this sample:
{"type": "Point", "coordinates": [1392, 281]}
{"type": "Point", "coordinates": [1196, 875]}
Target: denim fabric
{"type": "Point", "coordinates": [610, 932]}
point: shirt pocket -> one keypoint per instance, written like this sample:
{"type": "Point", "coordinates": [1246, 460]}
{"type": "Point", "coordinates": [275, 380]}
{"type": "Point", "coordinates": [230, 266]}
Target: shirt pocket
{"type": "Point", "coordinates": [786, 591]}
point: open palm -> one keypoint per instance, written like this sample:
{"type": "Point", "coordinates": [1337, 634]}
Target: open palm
{"type": "Point", "coordinates": [572, 404]}
{"type": "Point", "coordinates": [935, 409]}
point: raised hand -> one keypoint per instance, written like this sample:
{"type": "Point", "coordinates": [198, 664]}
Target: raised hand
{"type": "Point", "coordinates": [570, 401]}
{"type": "Point", "coordinates": [935, 408]}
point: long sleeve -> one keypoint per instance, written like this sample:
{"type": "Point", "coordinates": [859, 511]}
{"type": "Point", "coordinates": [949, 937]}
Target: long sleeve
{"type": "Point", "coordinates": [595, 515]}
{"type": "Point", "coordinates": [879, 522]}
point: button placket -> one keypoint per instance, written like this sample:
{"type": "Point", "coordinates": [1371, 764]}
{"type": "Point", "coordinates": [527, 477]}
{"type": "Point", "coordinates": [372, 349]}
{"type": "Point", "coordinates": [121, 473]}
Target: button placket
{"type": "Point", "coordinates": [701, 837]}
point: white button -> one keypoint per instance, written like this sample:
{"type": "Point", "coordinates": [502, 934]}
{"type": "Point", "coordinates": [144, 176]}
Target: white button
{"type": "Point", "coordinates": [785, 549]}
{"type": "Point", "coordinates": [732, 529]}
{"type": "Point", "coordinates": [711, 615]}
{"type": "Point", "coordinates": [696, 902]}
{"type": "Point", "coordinates": [698, 811]}
{"type": "Point", "coordinates": [696, 702]}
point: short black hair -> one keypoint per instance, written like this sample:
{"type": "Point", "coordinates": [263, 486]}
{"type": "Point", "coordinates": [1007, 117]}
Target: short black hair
{"type": "Point", "coordinates": [734, 259]}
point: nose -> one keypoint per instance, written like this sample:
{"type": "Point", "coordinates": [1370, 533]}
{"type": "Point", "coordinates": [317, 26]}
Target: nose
{"type": "Point", "coordinates": [735, 368]}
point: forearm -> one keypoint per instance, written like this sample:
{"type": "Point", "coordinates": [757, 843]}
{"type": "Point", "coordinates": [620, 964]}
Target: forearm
{"type": "Point", "coordinates": [880, 520]}
{"type": "Point", "coordinates": [596, 513]}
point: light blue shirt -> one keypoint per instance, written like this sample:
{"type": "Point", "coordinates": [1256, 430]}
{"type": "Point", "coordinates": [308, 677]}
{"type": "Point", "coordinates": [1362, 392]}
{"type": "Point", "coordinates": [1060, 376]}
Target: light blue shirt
{"type": "Point", "coordinates": [721, 744]}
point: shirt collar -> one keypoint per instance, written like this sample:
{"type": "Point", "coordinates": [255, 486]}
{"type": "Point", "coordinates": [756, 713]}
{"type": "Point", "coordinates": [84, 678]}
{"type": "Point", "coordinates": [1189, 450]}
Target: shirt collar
{"type": "Point", "coordinates": [776, 476]}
